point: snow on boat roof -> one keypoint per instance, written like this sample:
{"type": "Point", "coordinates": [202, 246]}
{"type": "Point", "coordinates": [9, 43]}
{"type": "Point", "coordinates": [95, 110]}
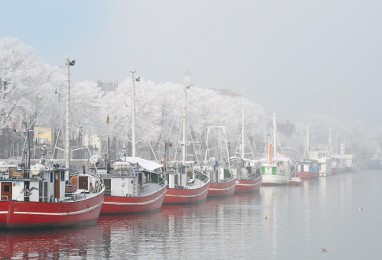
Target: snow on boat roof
{"type": "Point", "coordinates": [148, 165]}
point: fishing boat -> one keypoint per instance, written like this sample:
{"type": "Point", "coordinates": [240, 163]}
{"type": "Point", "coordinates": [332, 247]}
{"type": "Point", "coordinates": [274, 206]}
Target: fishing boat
{"type": "Point", "coordinates": [41, 198]}
{"type": "Point", "coordinates": [186, 183]}
{"type": "Point", "coordinates": [325, 163]}
{"type": "Point", "coordinates": [342, 162]}
{"type": "Point", "coordinates": [246, 171]}
{"type": "Point", "coordinates": [307, 169]}
{"type": "Point", "coordinates": [222, 179]}
{"type": "Point", "coordinates": [48, 196]}
{"type": "Point", "coordinates": [276, 169]}
{"type": "Point", "coordinates": [248, 178]}
{"type": "Point", "coordinates": [223, 182]}
{"type": "Point", "coordinates": [132, 185]}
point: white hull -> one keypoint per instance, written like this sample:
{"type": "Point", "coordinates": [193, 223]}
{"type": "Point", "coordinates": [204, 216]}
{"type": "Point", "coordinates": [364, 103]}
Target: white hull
{"type": "Point", "coordinates": [275, 179]}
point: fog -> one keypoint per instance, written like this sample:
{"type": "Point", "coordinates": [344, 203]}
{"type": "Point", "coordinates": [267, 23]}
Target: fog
{"type": "Point", "coordinates": [309, 61]}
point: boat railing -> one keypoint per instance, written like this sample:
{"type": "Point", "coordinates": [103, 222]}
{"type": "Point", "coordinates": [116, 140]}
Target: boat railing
{"type": "Point", "coordinates": [4, 197]}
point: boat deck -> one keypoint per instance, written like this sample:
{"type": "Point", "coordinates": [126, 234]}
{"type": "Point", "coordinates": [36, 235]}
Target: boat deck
{"type": "Point", "coordinates": [149, 188]}
{"type": "Point", "coordinates": [195, 183]}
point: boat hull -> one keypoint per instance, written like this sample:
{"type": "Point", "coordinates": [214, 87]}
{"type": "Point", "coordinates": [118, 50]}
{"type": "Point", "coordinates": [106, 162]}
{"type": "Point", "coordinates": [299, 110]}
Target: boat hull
{"type": "Point", "coordinates": [130, 205]}
{"type": "Point", "coordinates": [45, 215]}
{"type": "Point", "coordinates": [248, 185]}
{"type": "Point", "coordinates": [307, 175]}
{"type": "Point", "coordinates": [269, 179]}
{"type": "Point", "coordinates": [183, 196]}
{"type": "Point", "coordinates": [222, 189]}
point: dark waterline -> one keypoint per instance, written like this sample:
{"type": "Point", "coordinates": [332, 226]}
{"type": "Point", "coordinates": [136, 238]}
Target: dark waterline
{"type": "Point", "coordinates": [276, 223]}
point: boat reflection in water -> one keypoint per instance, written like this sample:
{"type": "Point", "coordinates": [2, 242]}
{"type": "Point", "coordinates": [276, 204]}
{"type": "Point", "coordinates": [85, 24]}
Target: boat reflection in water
{"type": "Point", "coordinates": [50, 244]}
{"type": "Point", "coordinates": [177, 231]}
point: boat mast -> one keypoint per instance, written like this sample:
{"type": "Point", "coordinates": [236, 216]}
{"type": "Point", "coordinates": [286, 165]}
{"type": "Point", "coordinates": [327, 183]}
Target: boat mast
{"type": "Point", "coordinates": [187, 84]}
{"type": "Point", "coordinates": [242, 135]}
{"type": "Point", "coordinates": [133, 115]}
{"type": "Point", "coordinates": [68, 63]}
{"type": "Point", "coordinates": [307, 144]}
{"type": "Point", "coordinates": [274, 135]}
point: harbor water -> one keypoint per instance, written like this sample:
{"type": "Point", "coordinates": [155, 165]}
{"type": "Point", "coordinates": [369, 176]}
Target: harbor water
{"type": "Point", "coordinates": [335, 217]}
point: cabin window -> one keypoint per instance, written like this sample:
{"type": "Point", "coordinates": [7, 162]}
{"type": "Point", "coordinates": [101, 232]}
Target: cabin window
{"type": "Point", "coordinates": [62, 176]}
{"type": "Point", "coordinates": [6, 188]}
{"type": "Point", "coordinates": [51, 177]}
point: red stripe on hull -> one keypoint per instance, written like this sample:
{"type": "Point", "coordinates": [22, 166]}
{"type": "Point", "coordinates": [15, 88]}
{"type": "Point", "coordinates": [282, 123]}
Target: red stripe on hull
{"type": "Point", "coordinates": [306, 175]}
{"type": "Point", "coordinates": [220, 189]}
{"type": "Point", "coordinates": [32, 215]}
{"type": "Point", "coordinates": [129, 205]}
{"type": "Point", "coordinates": [248, 185]}
{"type": "Point", "coordinates": [181, 196]}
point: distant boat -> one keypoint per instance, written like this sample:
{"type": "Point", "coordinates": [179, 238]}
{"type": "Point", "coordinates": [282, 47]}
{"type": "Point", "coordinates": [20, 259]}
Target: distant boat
{"type": "Point", "coordinates": [247, 173]}
{"type": "Point", "coordinates": [276, 168]}
{"type": "Point", "coordinates": [375, 162]}
{"type": "Point", "coordinates": [186, 184]}
{"type": "Point", "coordinates": [342, 162]}
{"type": "Point", "coordinates": [133, 185]}
{"type": "Point", "coordinates": [307, 169]}
{"type": "Point", "coordinates": [246, 170]}
{"type": "Point", "coordinates": [321, 154]}
{"type": "Point", "coordinates": [222, 179]}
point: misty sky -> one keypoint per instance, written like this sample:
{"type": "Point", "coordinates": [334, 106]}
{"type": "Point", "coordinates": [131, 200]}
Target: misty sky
{"type": "Point", "coordinates": [297, 58]}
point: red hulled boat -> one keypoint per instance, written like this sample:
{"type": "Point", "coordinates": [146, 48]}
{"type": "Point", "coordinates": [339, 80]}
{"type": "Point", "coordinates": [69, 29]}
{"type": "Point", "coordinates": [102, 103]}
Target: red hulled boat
{"type": "Point", "coordinates": [248, 185]}
{"type": "Point", "coordinates": [186, 185]}
{"type": "Point", "coordinates": [222, 181]}
{"type": "Point", "coordinates": [133, 185]}
{"type": "Point", "coordinates": [246, 171]}
{"type": "Point", "coordinates": [222, 188]}
{"type": "Point", "coordinates": [40, 198]}
{"type": "Point", "coordinates": [307, 169]}
{"type": "Point", "coordinates": [248, 175]}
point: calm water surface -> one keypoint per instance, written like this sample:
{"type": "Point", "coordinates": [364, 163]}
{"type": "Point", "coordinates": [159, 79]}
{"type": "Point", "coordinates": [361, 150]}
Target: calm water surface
{"type": "Point", "coordinates": [276, 223]}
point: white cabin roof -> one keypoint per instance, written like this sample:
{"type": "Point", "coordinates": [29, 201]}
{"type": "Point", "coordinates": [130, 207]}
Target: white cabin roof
{"type": "Point", "coordinates": [148, 165]}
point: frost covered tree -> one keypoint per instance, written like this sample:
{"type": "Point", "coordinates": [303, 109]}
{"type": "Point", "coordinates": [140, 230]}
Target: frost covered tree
{"type": "Point", "coordinates": [34, 92]}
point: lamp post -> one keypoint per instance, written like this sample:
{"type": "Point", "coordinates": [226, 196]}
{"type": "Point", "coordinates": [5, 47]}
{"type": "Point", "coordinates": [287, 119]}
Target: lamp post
{"type": "Point", "coordinates": [68, 63]}
{"type": "Point", "coordinates": [187, 85]}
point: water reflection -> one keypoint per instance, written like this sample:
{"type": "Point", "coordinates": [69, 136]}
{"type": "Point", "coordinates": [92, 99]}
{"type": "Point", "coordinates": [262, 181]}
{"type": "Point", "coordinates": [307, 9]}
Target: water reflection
{"type": "Point", "coordinates": [48, 244]}
{"type": "Point", "coordinates": [276, 223]}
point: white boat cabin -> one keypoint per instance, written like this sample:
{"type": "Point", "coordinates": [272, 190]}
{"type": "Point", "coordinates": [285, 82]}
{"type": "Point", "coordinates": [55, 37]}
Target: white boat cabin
{"type": "Point", "coordinates": [39, 184]}
{"type": "Point", "coordinates": [132, 177]}
{"type": "Point", "coordinates": [216, 170]}
{"type": "Point", "coordinates": [42, 184]}
{"type": "Point", "coordinates": [243, 168]}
